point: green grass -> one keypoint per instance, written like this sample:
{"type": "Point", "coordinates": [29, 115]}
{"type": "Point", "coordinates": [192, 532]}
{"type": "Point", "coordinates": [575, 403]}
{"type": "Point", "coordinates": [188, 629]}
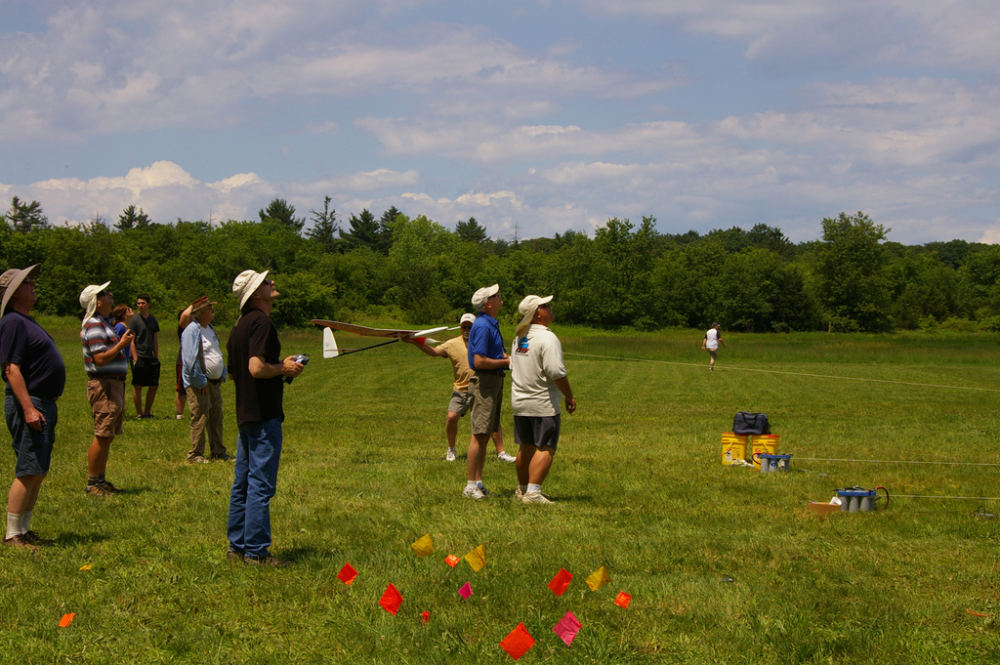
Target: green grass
{"type": "Point", "coordinates": [639, 489]}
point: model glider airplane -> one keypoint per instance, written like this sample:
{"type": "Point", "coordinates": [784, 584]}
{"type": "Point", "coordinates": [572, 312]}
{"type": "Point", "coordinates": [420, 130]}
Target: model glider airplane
{"type": "Point", "coordinates": [330, 349]}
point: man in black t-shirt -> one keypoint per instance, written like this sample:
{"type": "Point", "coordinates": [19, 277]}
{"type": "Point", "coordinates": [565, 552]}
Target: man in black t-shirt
{"type": "Point", "coordinates": [258, 372]}
{"type": "Point", "coordinates": [145, 355]}
{"type": "Point", "coordinates": [35, 376]}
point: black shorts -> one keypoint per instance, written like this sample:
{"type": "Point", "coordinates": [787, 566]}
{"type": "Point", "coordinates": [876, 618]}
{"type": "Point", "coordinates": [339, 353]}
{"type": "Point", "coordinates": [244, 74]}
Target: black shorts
{"type": "Point", "coordinates": [33, 448]}
{"type": "Point", "coordinates": [146, 372]}
{"type": "Point", "coordinates": [537, 431]}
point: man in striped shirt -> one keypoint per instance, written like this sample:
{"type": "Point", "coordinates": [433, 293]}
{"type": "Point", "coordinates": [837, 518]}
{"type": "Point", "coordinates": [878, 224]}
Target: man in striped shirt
{"type": "Point", "coordinates": [105, 364]}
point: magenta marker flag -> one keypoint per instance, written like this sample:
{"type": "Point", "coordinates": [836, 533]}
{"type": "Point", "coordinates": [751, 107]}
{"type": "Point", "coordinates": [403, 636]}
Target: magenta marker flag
{"type": "Point", "coordinates": [567, 628]}
{"type": "Point", "coordinates": [465, 591]}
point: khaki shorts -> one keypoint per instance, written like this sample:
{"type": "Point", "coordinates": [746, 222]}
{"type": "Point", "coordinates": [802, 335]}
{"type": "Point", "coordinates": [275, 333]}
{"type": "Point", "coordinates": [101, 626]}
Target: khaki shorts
{"type": "Point", "coordinates": [107, 404]}
{"type": "Point", "coordinates": [486, 392]}
{"type": "Point", "coordinates": [460, 403]}
{"type": "Point", "coordinates": [713, 354]}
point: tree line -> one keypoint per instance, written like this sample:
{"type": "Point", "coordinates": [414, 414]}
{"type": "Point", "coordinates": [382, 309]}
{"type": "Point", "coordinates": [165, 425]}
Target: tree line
{"type": "Point", "coordinates": [394, 267]}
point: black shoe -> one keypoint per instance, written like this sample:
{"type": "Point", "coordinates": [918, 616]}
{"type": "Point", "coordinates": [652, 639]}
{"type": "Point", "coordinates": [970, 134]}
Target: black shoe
{"type": "Point", "coordinates": [35, 539]}
{"type": "Point", "coordinates": [20, 542]}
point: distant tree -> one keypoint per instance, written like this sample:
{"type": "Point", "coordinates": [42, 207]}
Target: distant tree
{"type": "Point", "coordinates": [854, 285]}
{"type": "Point", "coordinates": [25, 217]}
{"type": "Point", "coordinates": [772, 238]}
{"type": "Point", "coordinates": [325, 228]}
{"type": "Point", "coordinates": [471, 231]}
{"type": "Point", "coordinates": [363, 231]}
{"type": "Point", "coordinates": [279, 211]}
{"type": "Point", "coordinates": [130, 219]}
{"type": "Point", "coordinates": [385, 229]}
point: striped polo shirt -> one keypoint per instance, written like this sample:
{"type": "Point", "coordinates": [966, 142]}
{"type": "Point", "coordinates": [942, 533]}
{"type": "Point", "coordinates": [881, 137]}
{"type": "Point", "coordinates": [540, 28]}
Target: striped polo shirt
{"type": "Point", "coordinates": [97, 336]}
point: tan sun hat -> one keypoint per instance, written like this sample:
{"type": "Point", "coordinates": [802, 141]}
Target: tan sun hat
{"type": "Point", "coordinates": [10, 280]}
{"type": "Point", "coordinates": [246, 283]}
{"type": "Point", "coordinates": [482, 295]}
{"type": "Point", "coordinates": [88, 298]}
{"type": "Point", "coordinates": [527, 309]}
{"type": "Point", "coordinates": [201, 303]}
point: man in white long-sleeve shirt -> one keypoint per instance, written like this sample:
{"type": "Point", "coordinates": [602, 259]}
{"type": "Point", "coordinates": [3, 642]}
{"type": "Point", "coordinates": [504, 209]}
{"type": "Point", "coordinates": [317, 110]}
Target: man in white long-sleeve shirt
{"type": "Point", "coordinates": [203, 372]}
{"type": "Point", "coordinates": [538, 378]}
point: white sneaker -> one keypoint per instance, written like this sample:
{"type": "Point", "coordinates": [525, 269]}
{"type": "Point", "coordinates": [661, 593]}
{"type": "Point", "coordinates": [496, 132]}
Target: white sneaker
{"type": "Point", "coordinates": [179, 416]}
{"type": "Point", "coordinates": [450, 456]}
{"type": "Point", "coordinates": [518, 493]}
{"type": "Point", "coordinates": [506, 457]}
{"type": "Point", "coordinates": [534, 497]}
{"type": "Point", "coordinates": [473, 493]}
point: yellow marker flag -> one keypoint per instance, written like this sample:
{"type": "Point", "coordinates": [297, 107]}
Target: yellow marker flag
{"type": "Point", "coordinates": [476, 558]}
{"type": "Point", "coordinates": [423, 546]}
{"type": "Point", "coordinates": [598, 578]}
{"type": "Point", "coordinates": [86, 566]}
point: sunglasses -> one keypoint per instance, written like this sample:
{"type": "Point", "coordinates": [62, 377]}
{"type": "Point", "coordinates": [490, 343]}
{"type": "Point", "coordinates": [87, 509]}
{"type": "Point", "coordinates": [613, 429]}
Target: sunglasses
{"type": "Point", "coordinates": [545, 306]}
{"type": "Point", "coordinates": [101, 294]}
{"type": "Point", "coordinates": [468, 327]}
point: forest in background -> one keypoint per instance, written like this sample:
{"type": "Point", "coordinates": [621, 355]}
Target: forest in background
{"type": "Point", "coordinates": [623, 276]}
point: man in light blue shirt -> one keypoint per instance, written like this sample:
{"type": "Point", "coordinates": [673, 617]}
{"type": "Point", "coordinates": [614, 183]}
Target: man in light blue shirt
{"type": "Point", "coordinates": [203, 372]}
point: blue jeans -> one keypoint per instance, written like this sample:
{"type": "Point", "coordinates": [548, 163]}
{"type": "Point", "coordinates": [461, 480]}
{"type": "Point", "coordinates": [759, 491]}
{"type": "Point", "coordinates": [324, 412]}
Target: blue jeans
{"type": "Point", "coordinates": [258, 451]}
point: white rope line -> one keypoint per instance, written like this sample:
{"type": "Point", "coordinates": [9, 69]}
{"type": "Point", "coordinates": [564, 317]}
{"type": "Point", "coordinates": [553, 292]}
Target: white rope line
{"type": "Point", "coordinates": [894, 461]}
{"type": "Point", "coordinates": [775, 371]}
{"type": "Point", "coordinates": [934, 496]}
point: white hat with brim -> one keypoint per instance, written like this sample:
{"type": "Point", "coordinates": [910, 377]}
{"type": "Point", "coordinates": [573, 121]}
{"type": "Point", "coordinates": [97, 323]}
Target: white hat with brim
{"type": "Point", "coordinates": [10, 280]}
{"type": "Point", "coordinates": [529, 305]}
{"type": "Point", "coordinates": [88, 299]}
{"type": "Point", "coordinates": [480, 297]}
{"type": "Point", "coordinates": [467, 318]}
{"type": "Point", "coordinates": [246, 283]}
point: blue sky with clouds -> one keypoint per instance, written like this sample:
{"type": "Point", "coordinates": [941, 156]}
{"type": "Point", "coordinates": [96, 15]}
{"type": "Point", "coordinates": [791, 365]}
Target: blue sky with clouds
{"type": "Point", "coordinates": [542, 116]}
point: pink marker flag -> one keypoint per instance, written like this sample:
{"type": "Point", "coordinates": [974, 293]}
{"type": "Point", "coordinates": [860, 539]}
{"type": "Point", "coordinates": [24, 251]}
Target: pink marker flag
{"type": "Point", "coordinates": [465, 591]}
{"type": "Point", "coordinates": [567, 628]}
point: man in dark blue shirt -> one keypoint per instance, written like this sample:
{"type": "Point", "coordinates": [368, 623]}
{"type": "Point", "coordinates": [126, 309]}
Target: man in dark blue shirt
{"type": "Point", "coordinates": [36, 376]}
{"type": "Point", "coordinates": [488, 360]}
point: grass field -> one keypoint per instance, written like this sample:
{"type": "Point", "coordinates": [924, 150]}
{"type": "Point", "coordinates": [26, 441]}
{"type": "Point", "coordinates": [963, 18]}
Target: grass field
{"type": "Point", "coordinates": [639, 489]}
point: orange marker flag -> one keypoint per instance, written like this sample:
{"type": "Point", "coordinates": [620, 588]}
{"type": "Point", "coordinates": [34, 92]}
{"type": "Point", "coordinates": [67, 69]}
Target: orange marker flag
{"type": "Point", "coordinates": [66, 620]}
{"type": "Point", "coordinates": [560, 582]}
{"type": "Point", "coordinates": [476, 558]}
{"type": "Point", "coordinates": [518, 642]}
{"type": "Point", "coordinates": [622, 599]}
{"type": "Point", "coordinates": [347, 574]}
{"type": "Point", "coordinates": [452, 560]}
{"type": "Point", "coordinates": [598, 578]}
{"type": "Point", "coordinates": [425, 617]}
{"type": "Point", "coordinates": [423, 546]}
{"type": "Point", "coordinates": [391, 600]}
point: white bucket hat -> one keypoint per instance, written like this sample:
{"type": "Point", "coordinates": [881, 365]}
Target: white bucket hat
{"type": "Point", "coordinates": [10, 280]}
{"type": "Point", "coordinates": [88, 298]}
{"type": "Point", "coordinates": [484, 294]}
{"type": "Point", "coordinates": [246, 283]}
{"type": "Point", "coordinates": [527, 309]}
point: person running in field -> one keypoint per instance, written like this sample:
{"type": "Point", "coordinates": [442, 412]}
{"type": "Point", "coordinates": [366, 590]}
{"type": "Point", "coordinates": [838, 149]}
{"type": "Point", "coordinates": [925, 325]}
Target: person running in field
{"type": "Point", "coordinates": [35, 375]}
{"type": "Point", "coordinates": [145, 356]}
{"type": "Point", "coordinates": [711, 344]}
{"type": "Point", "coordinates": [538, 378]}
{"type": "Point", "coordinates": [457, 352]}
{"type": "Point", "coordinates": [488, 361]}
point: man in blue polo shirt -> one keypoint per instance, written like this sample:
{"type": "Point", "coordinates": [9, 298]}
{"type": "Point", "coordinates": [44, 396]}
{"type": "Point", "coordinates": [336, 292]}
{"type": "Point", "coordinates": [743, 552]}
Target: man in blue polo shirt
{"type": "Point", "coordinates": [488, 360]}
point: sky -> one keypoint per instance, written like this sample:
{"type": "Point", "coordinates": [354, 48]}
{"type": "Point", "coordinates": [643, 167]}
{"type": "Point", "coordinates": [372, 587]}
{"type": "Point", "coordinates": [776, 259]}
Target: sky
{"type": "Point", "coordinates": [533, 116]}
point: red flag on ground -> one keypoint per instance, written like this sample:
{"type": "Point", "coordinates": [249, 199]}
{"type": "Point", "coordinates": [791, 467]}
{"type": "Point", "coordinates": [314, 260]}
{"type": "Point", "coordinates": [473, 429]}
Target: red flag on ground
{"type": "Point", "coordinates": [66, 620]}
{"type": "Point", "coordinates": [425, 617]}
{"type": "Point", "coordinates": [560, 582]}
{"type": "Point", "coordinates": [347, 574]}
{"type": "Point", "coordinates": [518, 642]}
{"type": "Point", "coordinates": [391, 600]}
{"type": "Point", "coordinates": [452, 560]}
{"type": "Point", "coordinates": [622, 599]}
